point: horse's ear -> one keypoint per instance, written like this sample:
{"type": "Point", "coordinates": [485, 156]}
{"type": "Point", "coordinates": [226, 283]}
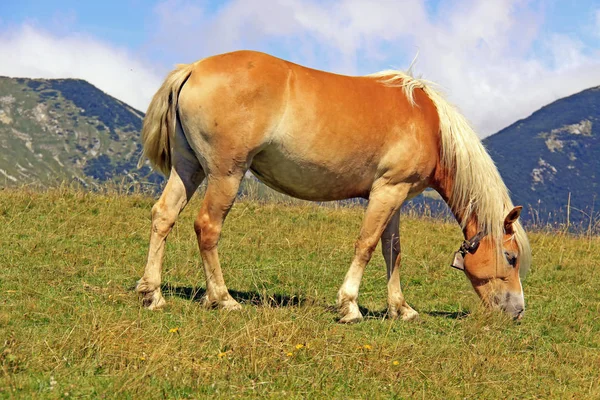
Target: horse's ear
{"type": "Point", "coordinates": [511, 218]}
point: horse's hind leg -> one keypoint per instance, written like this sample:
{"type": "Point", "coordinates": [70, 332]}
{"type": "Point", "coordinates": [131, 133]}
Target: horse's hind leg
{"type": "Point", "coordinates": [186, 175]}
{"type": "Point", "coordinates": [220, 195]}
{"type": "Point", "coordinates": [390, 247]}
{"type": "Point", "coordinates": [383, 203]}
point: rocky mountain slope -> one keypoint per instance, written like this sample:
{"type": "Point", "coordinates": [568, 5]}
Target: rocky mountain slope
{"type": "Point", "coordinates": [553, 152]}
{"type": "Point", "coordinates": [59, 130]}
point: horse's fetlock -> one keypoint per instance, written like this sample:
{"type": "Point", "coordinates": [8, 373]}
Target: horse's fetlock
{"type": "Point", "coordinates": [346, 301]}
{"type": "Point", "coordinates": [146, 286]}
{"type": "Point", "coordinates": [343, 294]}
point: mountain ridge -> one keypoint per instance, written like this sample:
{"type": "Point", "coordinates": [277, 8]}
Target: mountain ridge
{"type": "Point", "coordinates": [67, 129]}
{"type": "Point", "coordinates": [552, 157]}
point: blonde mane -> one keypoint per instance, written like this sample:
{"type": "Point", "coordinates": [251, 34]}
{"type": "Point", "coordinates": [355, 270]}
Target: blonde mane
{"type": "Point", "coordinates": [478, 188]}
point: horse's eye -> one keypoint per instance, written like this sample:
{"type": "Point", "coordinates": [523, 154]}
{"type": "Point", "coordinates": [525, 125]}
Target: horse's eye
{"type": "Point", "coordinates": [511, 259]}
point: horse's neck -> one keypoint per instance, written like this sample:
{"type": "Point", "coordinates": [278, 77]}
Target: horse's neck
{"type": "Point", "coordinates": [443, 183]}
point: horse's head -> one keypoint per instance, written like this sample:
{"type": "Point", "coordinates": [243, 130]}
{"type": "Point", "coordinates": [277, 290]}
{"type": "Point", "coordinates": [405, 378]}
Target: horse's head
{"type": "Point", "coordinates": [494, 271]}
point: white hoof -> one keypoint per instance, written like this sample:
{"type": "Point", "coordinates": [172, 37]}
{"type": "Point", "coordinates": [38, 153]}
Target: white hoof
{"type": "Point", "coordinates": [352, 318]}
{"type": "Point", "coordinates": [152, 298]}
{"type": "Point", "coordinates": [408, 314]}
{"type": "Point", "coordinates": [405, 312]}
{"type": "Point", "coordinates": [228, 304]}
{"type": "Point", "coordinates": [349, 311]}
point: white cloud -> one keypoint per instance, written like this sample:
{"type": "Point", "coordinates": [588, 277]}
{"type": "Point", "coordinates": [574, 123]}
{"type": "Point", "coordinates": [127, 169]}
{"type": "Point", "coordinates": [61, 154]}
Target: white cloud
{"type": "Point", "coordinates": [31, 52]}
{"type": "Point", "coordinates": [491, 57]}
{"type": "Point", "coordinates": [494, 59]}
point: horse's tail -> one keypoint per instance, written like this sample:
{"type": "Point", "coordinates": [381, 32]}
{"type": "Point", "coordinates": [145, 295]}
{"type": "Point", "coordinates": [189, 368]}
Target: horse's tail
{"type": "Point", "coordinates": [160, 120]}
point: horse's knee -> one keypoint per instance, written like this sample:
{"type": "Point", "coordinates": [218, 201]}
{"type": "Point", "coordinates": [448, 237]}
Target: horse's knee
{"type": "Point", "coordinates": [364, 250]}
{"type": "Point", "coordinates": [162, 219]}
{"type": "Point", "coordinates": [207, 231]}
{"type": "Point", "coordinates": [199, 223]}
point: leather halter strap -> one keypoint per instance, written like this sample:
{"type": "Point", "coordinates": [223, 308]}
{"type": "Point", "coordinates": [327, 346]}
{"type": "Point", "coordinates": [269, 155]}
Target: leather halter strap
{"type": "Point", "coordinates": [467, 246]}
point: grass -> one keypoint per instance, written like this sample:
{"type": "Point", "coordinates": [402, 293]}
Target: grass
{"type": "Point", "coordinates": [71, 326]}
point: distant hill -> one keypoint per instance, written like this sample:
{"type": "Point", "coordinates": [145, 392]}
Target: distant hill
{"type": "Point", "coordinates": [54, 130]}
{"type": "Point", "coordinates": [553, 152]}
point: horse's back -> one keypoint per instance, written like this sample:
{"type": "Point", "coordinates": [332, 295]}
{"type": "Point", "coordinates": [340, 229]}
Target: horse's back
{"type": "Point", "coordinates": [302, 129]}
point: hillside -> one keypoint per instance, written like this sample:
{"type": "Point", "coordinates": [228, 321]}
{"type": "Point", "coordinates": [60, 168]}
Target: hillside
{"type": "Point", "coordinates": [54, 130]}
{"type": "Point", "coordinates": [554, 152]}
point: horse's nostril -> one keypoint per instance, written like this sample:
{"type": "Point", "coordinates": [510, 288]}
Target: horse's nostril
{"type": "Point", "coordinates": [519, 314]}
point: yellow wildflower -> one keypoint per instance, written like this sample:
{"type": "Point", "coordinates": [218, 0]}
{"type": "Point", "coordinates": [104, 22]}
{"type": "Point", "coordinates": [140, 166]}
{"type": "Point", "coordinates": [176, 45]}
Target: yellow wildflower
{"type": "Point", "coordinates": [396, 362]}
{"type": "Point", "coordinates": [367, 347]}
{"type": "Point", "coordinates": [222, 354]}
{"type": "Point", "coordinates": [289, 354]}
{"type": "Point", "coordinates": [174, 330]}
{"type": "Point", "coordinates": [299, 346]}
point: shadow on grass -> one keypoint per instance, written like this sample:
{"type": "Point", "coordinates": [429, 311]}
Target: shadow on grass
{"type": "Point", "coordinates": [370, 314]}
{"type": "Point", "coordinates": [382, 314]}
{"type": "Point", "coordinates": [282, 300]}
{"type": "Point", "coordinates": [253, 298]}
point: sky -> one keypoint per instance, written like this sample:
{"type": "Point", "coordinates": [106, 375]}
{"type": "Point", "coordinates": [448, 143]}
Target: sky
{"type": "Point", "coordinates": [496, 60]}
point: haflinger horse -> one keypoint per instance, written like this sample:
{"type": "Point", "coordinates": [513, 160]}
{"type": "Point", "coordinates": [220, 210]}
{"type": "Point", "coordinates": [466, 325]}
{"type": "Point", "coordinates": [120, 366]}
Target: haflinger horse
{"type": "Point", "coordinates": [321, 136]}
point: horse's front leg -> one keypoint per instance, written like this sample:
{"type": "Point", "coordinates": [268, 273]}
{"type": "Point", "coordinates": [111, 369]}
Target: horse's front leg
{"type": "Point", "coordinates": [186, 175]}
{"type": "Point", "coordinates": [390, 247]}
{"type": "Point", "coordinates": [383, 203]}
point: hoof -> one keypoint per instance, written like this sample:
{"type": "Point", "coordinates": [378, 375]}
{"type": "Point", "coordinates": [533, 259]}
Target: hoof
{"type": "Point", "coordinates": [348, 309]}
{"type": "Point", "coordinates": [351, 318]}
{"type": "Point", "coordinates": [410, 315]}
{"type": "Point", "coordinates": [152, 299]}
{"type": "Point", "coordinates": [406, 313]}
{"type": "Point", "coordinates": [228, 304]}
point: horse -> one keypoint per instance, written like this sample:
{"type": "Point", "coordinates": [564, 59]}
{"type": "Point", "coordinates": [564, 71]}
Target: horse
{"type": "Point", "coordinates": [320, 136]}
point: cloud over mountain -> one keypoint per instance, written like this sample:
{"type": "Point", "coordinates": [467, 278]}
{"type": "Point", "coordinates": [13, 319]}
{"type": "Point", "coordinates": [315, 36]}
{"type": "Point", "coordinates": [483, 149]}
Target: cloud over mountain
{"type": "Point", "coordinates": [498, 60]}
{"type": "Point", "coordinates": [29, 51]}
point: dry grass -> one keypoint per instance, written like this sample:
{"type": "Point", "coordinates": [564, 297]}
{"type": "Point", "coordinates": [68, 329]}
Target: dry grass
{"type": "Point", "coordinates": [71, 326]}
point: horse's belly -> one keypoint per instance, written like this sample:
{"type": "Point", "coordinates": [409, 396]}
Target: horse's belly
{"type": "Point", "coordinates": [309, 179]}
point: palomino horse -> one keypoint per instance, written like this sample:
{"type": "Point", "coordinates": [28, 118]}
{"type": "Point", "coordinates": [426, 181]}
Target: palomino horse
{"type": "Point", "coordinates": [321, 136]}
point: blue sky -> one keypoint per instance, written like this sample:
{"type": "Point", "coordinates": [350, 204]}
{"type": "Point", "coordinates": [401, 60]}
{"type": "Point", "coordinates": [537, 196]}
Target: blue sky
{"type": "Point", "coordinates": [498, 60]}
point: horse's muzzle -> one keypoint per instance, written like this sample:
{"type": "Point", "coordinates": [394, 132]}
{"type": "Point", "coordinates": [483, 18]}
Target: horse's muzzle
{"type": "Point", "coordinates": [513, 304]}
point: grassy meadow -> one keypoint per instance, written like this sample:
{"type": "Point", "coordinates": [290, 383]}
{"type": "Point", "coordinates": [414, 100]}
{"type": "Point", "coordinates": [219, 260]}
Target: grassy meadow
{"type": "Point", "coordinates": [71, 325]}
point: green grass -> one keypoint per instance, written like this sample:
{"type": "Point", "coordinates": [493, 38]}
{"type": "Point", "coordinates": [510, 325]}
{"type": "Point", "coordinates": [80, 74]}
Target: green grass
{"type": "Point", "coordinates": [71, 326]}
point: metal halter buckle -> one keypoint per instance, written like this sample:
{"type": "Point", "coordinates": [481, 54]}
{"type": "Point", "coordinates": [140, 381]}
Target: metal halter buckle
{"type": "Point", "coordinates": [467, 246]}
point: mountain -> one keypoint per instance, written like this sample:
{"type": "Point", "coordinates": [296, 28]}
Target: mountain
{"type": "Point", "coordinates": [551, 154]}
{"type": "Point", "coordinates": [54, 130]}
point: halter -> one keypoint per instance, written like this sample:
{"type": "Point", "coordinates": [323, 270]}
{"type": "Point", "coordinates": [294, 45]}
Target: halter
{"type": "Point", "coordinates": [467, 246]}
